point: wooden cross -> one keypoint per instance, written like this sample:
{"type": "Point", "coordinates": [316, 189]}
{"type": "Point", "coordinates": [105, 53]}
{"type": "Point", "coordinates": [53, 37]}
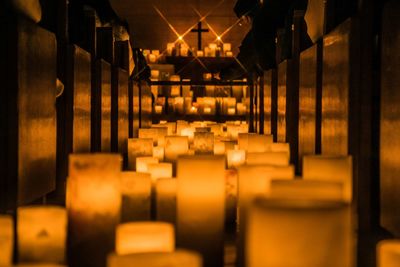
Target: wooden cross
{"type": "Point", "coordinates": [199, 31]}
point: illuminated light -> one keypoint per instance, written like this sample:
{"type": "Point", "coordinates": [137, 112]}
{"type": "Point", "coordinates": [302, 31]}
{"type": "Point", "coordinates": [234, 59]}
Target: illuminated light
{"type": "Point", "coordinates": [158, 152]}
{"type": "Point", "coordinates": [203, 143]}
{"type": "Point", "coordinates": [252, 182]}
{"type": "Point", "coordinates": [94, 204]}
{"type": "Point", "coordinates": [152, 133]}
{"type": "Point", "coordinates": [158, 109]}
{"type": "Point", "coordinates": [330, 168]}
{"type": "Point", "coordinates": [6, 240]}
{"type": "Point", "coordinates": [136, 196]}
{"type": "Point", "coordinates": [219, 38]}
{"type": "Point", "coordinates": [177, 258]}
{"type": "Point", "coordinates": [138, 148]}
{"type": "Point", "coordinates": [160, 170]}
{"type": "Point", "coordinates": [144, 237]}
{"type": "Point", "coordinates": [388, 253]}
{"type": "Point", "coordinates": [162, 131]}
{"type": "Point", "coordinates": [175, 146]}
{"type": "Point", "coordinates": [180, 38]}
{"type": "Point", "coordinates": [255, 143]}
{"type": "Point", "coordinates": [189, 132]}
{"type": "Point", "coordinates": [143, 162]}
{"type": "Point", "coordinates": [219, 148]}
{"type": "Point", "coordinates": [236, 158]}
{"type": "Point", "coordinates": [268, 158]}
{"type": "Point", "coordinates": [299, 233]}
{"type": "Point", "coordinates": [201, 206]}
{"type": "Point", "coordinates": [166, 200]}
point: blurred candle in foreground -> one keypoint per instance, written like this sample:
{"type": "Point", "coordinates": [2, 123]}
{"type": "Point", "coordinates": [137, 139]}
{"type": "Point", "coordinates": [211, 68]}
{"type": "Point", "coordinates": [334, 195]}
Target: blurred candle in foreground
{"type": "Point", "coordinates": [268, 158]}
{"type": "Point", "coordinates": [136, 196]}
{"type": "Point", "coordinates": [143, 162]}
{"type": "Point", "coordinates": [388, 253]}
{"type": "Point", "coordinates": [6, 240]}
{"type": "Point", "coordinates": [299, 233]}
{"type": "Point", "coordinates": [94, 204]}
{"type": "Point", "coordinates": [143, 237]}
{"type": "Point", "coordinates": [179, 258]}
{"type": "Point", "coordinates": [166, 200]}
{"type": "Point", "coordinates": [42, 232]}
{"type": "Point", "coordinates": [330, 168]}
{"type": "Point", "coordinates": [160, 170]}
{"type": "Point", "coordinates": [138, 148]}
{"type": "Point", "coordinates": [236, 158]}
{"type": "Point", "coordinates": [201, 206]}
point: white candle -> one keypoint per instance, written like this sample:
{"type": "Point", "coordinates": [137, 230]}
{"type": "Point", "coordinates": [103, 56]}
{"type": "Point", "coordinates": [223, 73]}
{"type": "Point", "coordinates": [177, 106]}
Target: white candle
{"type": "Point", "coordinates": [252, 142]}
{"type": "Point", "coordinates": [144, 237]}
{"type": "Point", "coordinates": [330, 168]}
{"type": "Point", "coordinates": [236, 158]}
{"type": "Point", "coordinates": [152, 133]}
{"type": "Point", "coordinates": [175, 146]}
{"type": "Point", "coordinates": [138, 148]}
{"type": "Point", "coordinates": [158, 152]}
{"type": "Point", "coordinates": [216, 129]}
{"type": "Point", "coordinates": [136, 196]}
{"type": "Point", "coordinates": [166, 200]}
{"type": "Point", "coordinates": [203, 143]}
{"type": "Point", "coordinates": [143, 162]}
{"type": "Point", "coordinates": [268, 158]}
{"type": "Point", "coordinates": [201, 206]}
{"type": "Point", "coordinates": [42, 232]}
{"type": "Point", "coordinates": [184, 50]}
{"type": "Point", "coordinates": [299, 233]}
{"type": "Point", "coordinates": [160, 170]}
{"type": "Point", "coordinates": [207, 52]}
{"type": "Point", "coordinates": [6, 240]}
{"type": "Point", "coordinates": [179, 258]}
{"type": "Point", "coordinates": [94, 204]}
{"type": "Point", "coordinates": [388, 253]}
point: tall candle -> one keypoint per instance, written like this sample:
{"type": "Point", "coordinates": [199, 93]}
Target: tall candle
{"type": "Point", "coordinates": [94, 203]}
{"type": "Point", "coordinates": [143, 162]}
{"type": "Point", "coordinates": [201, 206]}
{"type": "Point", "coordinates": [175, 146]}
{"type": "Point", "coordinates": [6, 240]}
{"type": "Point", "coordinates": [227, 47]}
{"type": "Point", "coordinates": [136, 196]}
{"type": "Point", "coordinates": [138, 148]}
{"type": "Point", "coordinates": [388, 253]}
{"type": "Point", "coordinates": [42, 232]}
{"type": "Point", "coordinates": [144, 237]}
{"type": "Point", "coordinates": [299, 233]}
{"type": "Point", "coordinates": [330, 168]}
{"type": "Point", "coordinates": [236, 158]}
{"type": "Point", "coordinates": [166, 200]}
{"type": "Point", "coordinates": [177, 258]}
{"type": "Point", "coordinates": [160, 170]}
{"type": "Point", "coordinates": [203, 143]}
{"type": "Point", "coordinates": [268, 158]}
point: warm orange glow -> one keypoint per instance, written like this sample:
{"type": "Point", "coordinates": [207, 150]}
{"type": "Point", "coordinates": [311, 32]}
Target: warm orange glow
{"type": "Point", "coordinates": [175, 146]}
{"type": "Point", "coordinates": [160, 170]}
{"type": "Point", "coordinates": [166, 200]}
{"type": "Point", "coordinates": [268, 158]}
{"type": "Point", "coordinates": [255, 143]}
{"type": "Point", "coordinates": [6, 240]}
{"type": "Point", "coordinates": [151, 133]}
{"type": "Point", "coordinates": [143, 162]}
{"type": "Point", "coordinates": [388, 253]}
{"type": "Point", "coordinates": [42, 234]}
{"type": "Point", "coordinates": [138, 148]}
{"type": "Point", "coordinates": [158, 152]}
{"type": "Point", "coordinates": [236, 158]}
{"type": "Point", "coordinates": [144, 237]}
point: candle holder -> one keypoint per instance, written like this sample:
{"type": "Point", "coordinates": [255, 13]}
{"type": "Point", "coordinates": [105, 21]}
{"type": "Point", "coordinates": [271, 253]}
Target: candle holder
{"type": "Point", "coordinates": [6, 240]}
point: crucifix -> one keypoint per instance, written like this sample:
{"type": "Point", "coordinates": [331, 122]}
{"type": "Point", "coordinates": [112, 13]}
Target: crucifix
{"type": "Point", "coordinates": [199, 31]}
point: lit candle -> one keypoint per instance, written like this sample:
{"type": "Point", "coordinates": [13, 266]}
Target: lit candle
{"type": "Point", "coordinates": [213, 49]}
{"type": "Point", "coordinates": [216, 129]}
{"type": "Point", "coordinates": [166, 200]}
{"type": "Point", "coordinates": [200, 53]}
{"type": "Point", "coordinates": [160, 170]}
{"type": "Point", "coordinates": [252, 142]}
{"type": "Point", "coordinates": [138, 148]}
{"type": "Point", "coordinates": [42, 234]}
{"type": "Point", "coordinates": [330, 168]}
{"type": "Point", "coordinates": [241, 109]}
{"type": "Point", "coordinates": [184, 50]}
{"type": "Point", "coordinates": [236, 158]}
{"type": "Point", "coordinates": [175, 89]}
{"type": "Point", "coordinates": [170, 48]}
{"type": "Point", "coordinates": [388, 253]}
{"type": "Point", "coordinates": [189, 132]}
{"type": "Point", "coordinates": [186, 93]}
{"type": "Point", "coordinates": [177, 258]}
{"type": "Point", "coordinates": [143, 162]}
{"type": "Point", "coordinates": [152, 58]}
{"type": "Point", "coordinates": [203, 143]}
{"type": "Point", "coordinates": [229, 54]}
{"type": "Point", "coordinates": [201, 206]}
{"type": "Point", "coordinates": [207, 52]}
{"type": "Point", "coordinates": [299, 233]}
{"type": "Point", "coordinates": [280, 147]}
{"type": "Point", "coordinates": [158, 152]}
{"type": "Point", "coordinates": [152, 133]}
{"type": "Point", "coordinates": [155, 74]}
{"type": "Point", "coordinates": [94, 204]}
{"type": "Point", "coordinates": [231, 111]}
{"type": "Point", "coordinates": [136, 196]}
{"type": "Point", "coordinates": [158, 109]}
{"type": "Point", "coordinates": [179, 105]}
{"type": "Point", "coordinates": [144, 237]}
{"type": "Point", "coordinates": [207, 110]}
{"type": "Point", "coordinates": [6, 240]}
{"type": "Point", "coordinates": [231, 180]}
{"type": "Point", "coordinates": [227, 47]}
{"type": "Point", "coordinates": [175, 146]}
{"type": "Point", "coordinates": [219, 148]}
{"type": "Point", "coordinates": [268, 158]}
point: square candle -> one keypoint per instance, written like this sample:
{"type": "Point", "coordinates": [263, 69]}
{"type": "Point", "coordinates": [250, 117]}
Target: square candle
{"type": "Point", "coordinates": [138, 148]}
{"type": "Point", "coordinates": [144, 237]}
{"type": "Point", "coordinates": [143, 162]}
{"type": "Point", "coordinates": [203, 143]}
{"type": "Point", "coordinates": [6, 240]}
{"type": "Point", "coordinates": [166, 200]}
{"type": "Point", "coordinates": [268, 158]}
{"type": "Point", "coordinates": [136, 196]}
{"type": "Point", "coordinates": [175, 146]}
{"type": "Point", "coordinates": [94, 205]}
{"type": "Point", "coordinates": [388, 253]}
{"type": "Point", "coordinates": [201, 206]}
{"type": "Point", "coordinates": [42, 232]}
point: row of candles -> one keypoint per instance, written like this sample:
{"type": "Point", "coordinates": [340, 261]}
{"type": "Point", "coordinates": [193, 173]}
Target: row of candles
{"type": "Point", "coordinates": [283, 220]}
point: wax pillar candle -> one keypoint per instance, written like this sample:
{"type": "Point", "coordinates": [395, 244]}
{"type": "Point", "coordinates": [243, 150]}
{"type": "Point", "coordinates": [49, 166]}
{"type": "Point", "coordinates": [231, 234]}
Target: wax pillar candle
{"type": "Point", "coordinates": [179, 258]}
{"type": "Point", "coordinates": [227, 47]}
{"type": "Point", "coordinates": [94, 204]}
{"type": "Point", "coordinates": [160, 170]}
{"type": "Point", "coordinates": [268, 158]}
{"type": "Point", "coordinates": [186, 93]}
{"type": "Point", "coordinates": [203, 143]}
{"type": "Point", "coordinates": [143, 162]}
{"type": "Point", "coordinates": [236, 158]}
{"type": "Point", "coordinates": [280, 147]}
{"type": "Point", "coordinates": [136, 196]}
{"type": "Point", "coordinates": [201, 206]}
{"type": "Point", "coordinates": [388, 253]}
{"type": "Point", "coordinates": [158, 152]}
{"type": "Point", "coordinates": [170, 48]}
{"type": "Point", "coordinates": [158, 109]}
{"type": "Point", "coordinates": [189, 132]}
{"type": "Point", "coordinates": [6, 240]}
{"type": "Point", "coordinates": [200, 53]}
{"type": "Point", "coordinates": [166, 200]}
{"type": "Point", "coordinates": [180, 125]}
{"type": "Point", "coordinates": [175, 89]}
{"type": "Point", "coordinates": [219, 148]}
{"type": "Point", "coordinates": [152, 58]}
{"type": "Point", "coordinates": [255, 143]}
{"type": "Point", "coordinates": [151, 133]}
{"type": "Point", "coordinates": [138, 148]}
{"type": "Point", "coordinates": [299, 233]}
{"type": "Point", "coordinates": [175, 146]}
{"type": "Point", "coordinates": [144, 237]}
{"type": "Point", "coordinates": [216, 129]}
{"type": "Point", "coordinates": [330, 168]}
{"type": "Point", "coordinates": [162, 131]}
{"type": "Point", "coordinates": [229, 54]}
{"type": "Point", "coordinates": [213, 49]}
{"type": "Point", "coordinates": [42, 232]}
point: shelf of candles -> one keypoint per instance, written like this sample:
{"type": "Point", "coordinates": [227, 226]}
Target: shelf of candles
{"type": "Point", "coordinates": [197, 117]}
